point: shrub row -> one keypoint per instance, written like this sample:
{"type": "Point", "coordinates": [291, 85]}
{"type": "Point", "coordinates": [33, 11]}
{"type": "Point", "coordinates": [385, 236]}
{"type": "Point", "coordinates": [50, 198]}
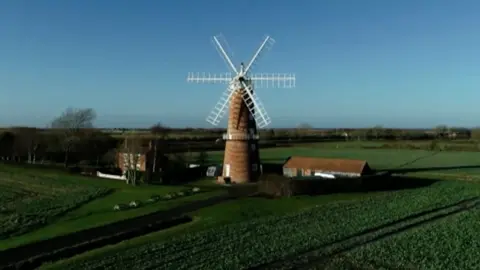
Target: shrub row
{"type": "Point", "coordinates": [277, 185]}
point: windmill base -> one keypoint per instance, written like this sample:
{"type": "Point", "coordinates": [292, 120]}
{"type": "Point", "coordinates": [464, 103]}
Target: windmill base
{"type": "Point", "coordinates": [240, 162]}
{"type": "Point", "coordinates": [227, 181]}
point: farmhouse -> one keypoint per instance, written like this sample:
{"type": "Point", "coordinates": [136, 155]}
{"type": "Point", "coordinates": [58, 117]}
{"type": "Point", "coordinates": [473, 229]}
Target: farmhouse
{"type": "Point", "coordinates": [142, 159]}
{"type": "Point", "coordinates": [296, 166]}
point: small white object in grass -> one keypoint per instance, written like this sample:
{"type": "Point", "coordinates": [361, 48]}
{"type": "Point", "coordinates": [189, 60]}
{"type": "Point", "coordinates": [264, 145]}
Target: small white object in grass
{"type": "Point", "coordinates": [167, 197]}
{"type": "Point", "coordinates": [134, 204]}
{"type": "Point", "coordinates": [195, 189]}
{"type": "Point", "coordinates": [119, 207]}
{"type": "Point", "coordinates": [180, 193]}
{"type": "Point", "coordinates": [154, 198]}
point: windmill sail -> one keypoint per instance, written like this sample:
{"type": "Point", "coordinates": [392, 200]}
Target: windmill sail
{"type": "Point", "coordinates": [240, 79]}
{"type": "Point", "coordinates": [220, 108]}
{"type": "Point", "coordinates": [255, 106]}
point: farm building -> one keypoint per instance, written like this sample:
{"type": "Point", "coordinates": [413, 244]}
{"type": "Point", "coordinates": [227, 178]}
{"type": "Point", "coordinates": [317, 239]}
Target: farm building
{"type": "Point", "coordinates": [296, 166]}
{"type": "Point", "coordinates": [142, 159]}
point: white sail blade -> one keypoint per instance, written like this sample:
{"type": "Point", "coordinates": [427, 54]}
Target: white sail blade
{"type": "Point", "coordinates": [255, 107]}
{"type": "Point", "coordinates": [279, 80]}
{"type": "Point", "coordinates": [221, 107]}
{"type": "Point", "coordinates": [266, 45]}
{"type": "Point", "coordinates": [224, 54]}
{"type": "Point", "coordinates": [209, 78]}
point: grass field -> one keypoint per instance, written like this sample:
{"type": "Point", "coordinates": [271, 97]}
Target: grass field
{"type": "Point", "coordinates": [38, 205]}
{"type": "Point", "coordinates": [428, 227]}
{"type": "Point", "coordinates": [380, 159]}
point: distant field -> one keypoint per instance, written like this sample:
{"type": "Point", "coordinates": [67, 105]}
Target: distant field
{"type": "Point", "coordinates": [170, 135]}
{"type": "Point", "coordinates": [39, 204]}
{"type": "Point", "coordinates": [379, 159]}
{"type": "Point", "coordinates": [337, 231]}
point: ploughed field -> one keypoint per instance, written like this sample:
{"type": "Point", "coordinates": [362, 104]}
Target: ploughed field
{"type": "Point", "coordinates": [431, 227]}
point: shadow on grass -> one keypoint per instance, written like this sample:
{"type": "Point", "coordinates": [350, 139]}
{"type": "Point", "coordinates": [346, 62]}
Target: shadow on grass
{"type": "Point", "coordinates": [392, 183]}
{"type": "Point", "coordinates": [275, 186]}
{"type": "Point", "coordinates": [320, 254]}
{"type": "Point", "coordinates": [426, 169]}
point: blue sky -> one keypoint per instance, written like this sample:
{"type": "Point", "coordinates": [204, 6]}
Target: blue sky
{"type": "Point", "coordinates": [358, 63]}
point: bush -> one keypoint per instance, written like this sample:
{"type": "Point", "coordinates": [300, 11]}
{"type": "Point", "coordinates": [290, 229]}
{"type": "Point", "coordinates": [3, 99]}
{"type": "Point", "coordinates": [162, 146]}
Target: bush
{"type": "Point", "coordinates": [275, 185]}
{"type": "Point", "coordinates": [433, 146]}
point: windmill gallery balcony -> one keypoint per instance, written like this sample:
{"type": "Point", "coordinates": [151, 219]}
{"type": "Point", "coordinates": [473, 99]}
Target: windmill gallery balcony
{"type": "Point", "coordinates": [240, 136]}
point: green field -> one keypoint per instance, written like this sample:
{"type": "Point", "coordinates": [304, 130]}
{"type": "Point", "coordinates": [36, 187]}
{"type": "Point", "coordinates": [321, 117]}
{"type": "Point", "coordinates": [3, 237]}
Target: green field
{"type": "Point", "coordinates": [428, 227]}
{"type": "Point", "coordinates": [380, 159]}
{"type": "Point", "coordinates": [31, 201]}
{"type": "Point", "coordinates": [295, 231]}
{"type": "Point", "coordinates": [37, 204]}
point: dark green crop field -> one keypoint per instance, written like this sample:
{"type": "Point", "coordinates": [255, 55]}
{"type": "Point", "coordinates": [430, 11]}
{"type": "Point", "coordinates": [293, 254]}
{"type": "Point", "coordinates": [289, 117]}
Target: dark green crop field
{"type": "Point", "coordinates": [396, 229]}
{"type": "Point", "coordinates": [31, 201]}
{"type": "Point", "coordinates": [39, 204]}
{"type": "Point", "coordinates": [432, 225]}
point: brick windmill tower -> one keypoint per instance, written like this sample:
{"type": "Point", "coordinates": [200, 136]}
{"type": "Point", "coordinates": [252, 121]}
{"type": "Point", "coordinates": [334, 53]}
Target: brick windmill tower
{"type": "Point", "coordinates": [241, 163]}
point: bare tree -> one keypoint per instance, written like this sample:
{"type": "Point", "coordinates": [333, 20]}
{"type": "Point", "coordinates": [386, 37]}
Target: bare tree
{"type": "Point", "coordinates": [27, 141]}
{"type": "Point", "coordinates": [69, 125]}
{"type": "Point", "coordinates": [441, 130]}
{"type": "Point", "coordinates": [131, 151]}
{"type": "Point", "coordinates": [304, 126]}
{"type": "Point", "coordinates": [378, 131]}
{"type": "Point", "coordinates": [160, 133]}
{"type": "Point", "coordinates": [270, 134]}
{"type": "Point", "coordinates": [202, 158]}
{"type": "Point", "coordinates": [98, 143]}
{"type": "Point", "coordinates": [302, 129]}
{"type": "Point", "coordinates": [7, 140]}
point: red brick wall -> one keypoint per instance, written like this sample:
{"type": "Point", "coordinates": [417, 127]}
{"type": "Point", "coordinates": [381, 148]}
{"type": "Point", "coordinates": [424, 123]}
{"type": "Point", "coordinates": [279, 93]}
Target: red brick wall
{"type": "Point", "coordinates": [239, 153]}
{"type": "Point", "coordinates": [122, 162]}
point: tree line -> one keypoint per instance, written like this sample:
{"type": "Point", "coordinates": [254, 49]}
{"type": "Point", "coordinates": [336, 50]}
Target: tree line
{"type": "Point", "coordinates": [72, 139]}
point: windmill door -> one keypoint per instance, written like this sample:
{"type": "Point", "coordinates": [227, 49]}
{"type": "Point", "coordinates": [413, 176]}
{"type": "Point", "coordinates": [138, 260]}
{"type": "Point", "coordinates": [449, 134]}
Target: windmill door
{"type": "Point", "coordinates": [227, 170]}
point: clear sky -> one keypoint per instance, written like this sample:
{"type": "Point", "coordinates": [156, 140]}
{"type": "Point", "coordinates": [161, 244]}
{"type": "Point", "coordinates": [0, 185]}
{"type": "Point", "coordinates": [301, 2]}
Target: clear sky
{"type": "Point", "coordinates": [405, 63]}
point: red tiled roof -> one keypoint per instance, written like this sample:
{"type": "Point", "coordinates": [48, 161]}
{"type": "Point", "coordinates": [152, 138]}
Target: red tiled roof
{"type": "Point", "coordinates": [326, 164]}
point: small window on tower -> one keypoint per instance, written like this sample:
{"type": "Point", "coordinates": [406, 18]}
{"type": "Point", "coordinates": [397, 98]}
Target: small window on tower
{"type": "Point", "coordinates": [254, 167]}
{"type": "Point", "coordinates": [254, 147]}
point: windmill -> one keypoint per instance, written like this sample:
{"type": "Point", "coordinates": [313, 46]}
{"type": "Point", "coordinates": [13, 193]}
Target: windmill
{"type": "Point", "coordinates": [241, 162]}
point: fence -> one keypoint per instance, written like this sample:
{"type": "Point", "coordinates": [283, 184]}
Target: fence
{"type": "Point", "coordinates": [111, 176]}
